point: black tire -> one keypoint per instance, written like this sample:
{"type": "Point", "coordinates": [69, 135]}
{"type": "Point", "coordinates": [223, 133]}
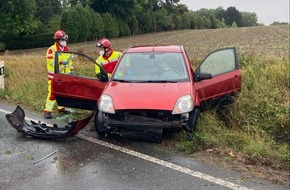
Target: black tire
{"type": "Point", "coordinates": [99, 124]}
{"type": "Point", "coordinates": [193, 119]}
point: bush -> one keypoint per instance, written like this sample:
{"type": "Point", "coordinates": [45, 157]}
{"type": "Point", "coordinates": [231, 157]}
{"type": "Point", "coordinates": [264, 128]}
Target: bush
{"type": "Point", "coordinates": [28, 42]}
{"type": "Point", "coordinates": [2, 46]}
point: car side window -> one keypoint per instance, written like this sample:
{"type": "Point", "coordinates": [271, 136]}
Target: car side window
{"type": "Point", "coordinates": [219, 62]}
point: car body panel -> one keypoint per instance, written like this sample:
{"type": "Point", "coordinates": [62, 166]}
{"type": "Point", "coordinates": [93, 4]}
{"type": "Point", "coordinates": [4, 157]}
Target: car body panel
{"type": "Point", "coordinates": [77, 92]}
{"type": "Point", "coordinates": [83, 92]}
{"type": "Point", "coordinates": [226, 79]}
{"type": "Point", "coordinates": [219, 85]}
{"type": "Point", "coordinates": [149, 48]}
{"type": "Point", "coordinates": [144, 98]}
{"type": "Point", "coordinates": [155, 96]}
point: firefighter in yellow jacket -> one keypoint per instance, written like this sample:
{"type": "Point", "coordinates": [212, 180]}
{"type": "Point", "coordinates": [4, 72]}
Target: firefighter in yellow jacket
{"type": "Point", "coordinates": [108, 57]}
{"type": "Point", "coordinates": [65, 66]}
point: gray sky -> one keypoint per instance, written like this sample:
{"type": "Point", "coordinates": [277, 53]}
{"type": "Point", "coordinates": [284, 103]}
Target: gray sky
{"type": "Point", "coordinates": [267, 11]}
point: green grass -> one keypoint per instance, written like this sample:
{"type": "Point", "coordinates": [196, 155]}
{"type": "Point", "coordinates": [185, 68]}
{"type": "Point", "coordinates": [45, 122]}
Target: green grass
{"type": "Point", "coordinates": [256, 127]}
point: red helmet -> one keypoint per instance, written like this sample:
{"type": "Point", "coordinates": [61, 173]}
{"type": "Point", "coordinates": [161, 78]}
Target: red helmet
{"type": "Point", "coordinates": [60, 35]}
{"type": "Point", "coordinates": [105, 43]}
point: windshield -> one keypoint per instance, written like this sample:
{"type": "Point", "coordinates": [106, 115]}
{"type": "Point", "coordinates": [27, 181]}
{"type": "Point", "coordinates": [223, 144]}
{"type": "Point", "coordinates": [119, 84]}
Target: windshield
{"type": "Point", "coordinates": [151, 67]}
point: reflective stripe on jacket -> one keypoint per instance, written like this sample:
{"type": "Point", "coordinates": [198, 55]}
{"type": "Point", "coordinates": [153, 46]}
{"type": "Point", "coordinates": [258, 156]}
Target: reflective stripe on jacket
{"type": "Point", "coordinates": [50, 54]}
{"type": "Point", "coordinates": [108, 63]}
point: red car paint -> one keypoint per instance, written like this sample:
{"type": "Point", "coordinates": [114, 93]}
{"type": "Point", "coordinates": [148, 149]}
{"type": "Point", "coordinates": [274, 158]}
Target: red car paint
{"type": "Point", "coordinates": [218, 76]}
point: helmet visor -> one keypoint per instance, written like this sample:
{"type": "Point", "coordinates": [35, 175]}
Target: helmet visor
{"type": "Point", "coordinates": [100, 45]}
{"type": "Point", "coordinates": [64, 37]}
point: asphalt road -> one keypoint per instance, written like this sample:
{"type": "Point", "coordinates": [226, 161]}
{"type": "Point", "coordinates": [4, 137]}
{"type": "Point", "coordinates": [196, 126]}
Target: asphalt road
{"type": "Point", "coordinates": [88, 162]}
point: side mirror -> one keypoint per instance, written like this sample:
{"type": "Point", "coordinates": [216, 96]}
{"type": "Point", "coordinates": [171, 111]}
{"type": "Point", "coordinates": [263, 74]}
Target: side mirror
{"type": "Point", "coordinates": [202, 76]}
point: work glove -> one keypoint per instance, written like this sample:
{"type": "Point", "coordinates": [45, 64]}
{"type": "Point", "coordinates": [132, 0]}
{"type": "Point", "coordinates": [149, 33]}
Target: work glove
{"type": "Point", "coordinates": [64, 62]}
{"type": "Point", "coordinates": [72, 73]}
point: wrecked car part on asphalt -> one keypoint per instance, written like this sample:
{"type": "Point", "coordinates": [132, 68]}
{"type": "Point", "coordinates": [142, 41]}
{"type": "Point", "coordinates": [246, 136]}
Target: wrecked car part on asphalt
{"type": "Point", "coordinates": [40, 130]}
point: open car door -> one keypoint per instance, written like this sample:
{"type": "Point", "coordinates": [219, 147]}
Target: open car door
{"type": "Point", "coordinates": [223, 77]}
{"type": "Point", "coordinates": [82, 88]}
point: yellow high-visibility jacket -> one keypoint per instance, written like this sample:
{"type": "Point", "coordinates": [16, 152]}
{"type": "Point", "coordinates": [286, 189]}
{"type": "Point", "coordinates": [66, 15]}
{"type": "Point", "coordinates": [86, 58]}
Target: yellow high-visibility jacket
{"type": "Point", "coordinates": [108, 63]}
{"type": "Point", "coordinates": [50, 54]}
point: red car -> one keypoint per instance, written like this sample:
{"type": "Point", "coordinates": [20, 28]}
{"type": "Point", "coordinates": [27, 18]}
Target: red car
{"type": "Point", "coordinates": [152, 88]}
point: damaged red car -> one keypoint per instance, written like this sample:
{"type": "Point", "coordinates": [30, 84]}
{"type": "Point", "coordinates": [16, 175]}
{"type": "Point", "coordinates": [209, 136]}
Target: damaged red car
{"type": "Point", "coordinates": [152, 89]}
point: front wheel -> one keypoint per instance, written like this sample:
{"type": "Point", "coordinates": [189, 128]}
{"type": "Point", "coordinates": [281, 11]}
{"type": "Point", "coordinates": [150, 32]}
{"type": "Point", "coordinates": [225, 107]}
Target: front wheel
{"type": "Point", "coordinates": [193, 119]}
{"type": "Point", "coordinates": [99, 124]}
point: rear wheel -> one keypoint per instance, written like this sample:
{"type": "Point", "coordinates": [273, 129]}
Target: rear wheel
{"type": "Point", "coordinates": [99, 124]}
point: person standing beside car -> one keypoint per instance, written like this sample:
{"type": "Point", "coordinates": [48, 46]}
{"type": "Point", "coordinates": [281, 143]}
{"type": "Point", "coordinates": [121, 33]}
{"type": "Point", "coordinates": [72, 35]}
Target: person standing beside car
{"type": "Point", "coordinates": [108, 57]}
{"type": "Point", "coordinates": [65, 66]}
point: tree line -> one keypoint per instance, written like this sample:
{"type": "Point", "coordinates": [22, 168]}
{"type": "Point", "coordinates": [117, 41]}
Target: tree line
{"type": "Point", "coordinates": [86, 20]}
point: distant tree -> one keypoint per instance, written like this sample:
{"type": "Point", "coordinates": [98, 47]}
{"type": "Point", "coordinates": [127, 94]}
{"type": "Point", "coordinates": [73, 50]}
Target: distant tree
{"type": "Point", "coordinates": [177, 21]}
{"type": "Point", "coordinates": [185, 21]}
{"type": "Point", "coordinates": [169, 5]}
{"type": "Point", "coordinates": [17, 17]}
{"type": "Point", "coordinates": [146, 17]}
{"type": "Point", "coordinates": [214, 22]}
{"type": "Point", "coordinates": [111, 29]}
{"type": "Point", "coordinates": [199, 22]}
{"type": "Point", "coordinates": [206, 22]}
{"type": "Point", "coordinates": [53, 24]}
{"type": "Point", "coordinates": [120, 9]}
{"type": "Point", "coordinates": [279, 23]}
{"type": "Point", "coordinates": [68, 24]}
{"type": "Point", "coordinates": [220, 13]}
{"type": "Point", "coordinates": [222, 23]}
{"type": "Point", "coordinates": [180, 9]}
{"type": "Point", "coordinates": [234, 25]}
{"type": "Point", "coordinates": [72, 3]}
{"type": "Point", "coordinates": [163, 20]}
{"type": "Point", "coordinates": [97, 25]}
{"type": "Point", "coordinates": [147, 22]}
{"type": "Point", "coordinates": [209, 18]}
{"type": "Point", "coordinates": [232, 15]}
{"type": "Point", "coordinates": [124, 29]}
{"type": "Point", "coordinates": [192, 19]}
{"type": "Point", "coordinates": [249, 19]}
{"type": "Point", "coordinates": [204, 12]}
{"type": "Point", "coordinates": [133, 25]}
{"type": "Point", "coordinates": [47, 9]}
{"type": "Point", "coordinates": [83, 22]}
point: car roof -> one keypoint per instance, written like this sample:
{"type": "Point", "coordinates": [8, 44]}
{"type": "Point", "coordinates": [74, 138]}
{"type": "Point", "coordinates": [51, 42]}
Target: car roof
{"type": "Point", "coordinates": [156, 48]}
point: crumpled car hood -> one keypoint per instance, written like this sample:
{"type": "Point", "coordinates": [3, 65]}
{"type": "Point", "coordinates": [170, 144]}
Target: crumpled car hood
{"type": "Point", "coordinates": [155, 96]}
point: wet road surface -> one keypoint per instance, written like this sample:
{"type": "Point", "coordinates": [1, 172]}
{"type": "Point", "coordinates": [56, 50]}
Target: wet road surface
{"type": "Point", "coordinates": [88, 162]}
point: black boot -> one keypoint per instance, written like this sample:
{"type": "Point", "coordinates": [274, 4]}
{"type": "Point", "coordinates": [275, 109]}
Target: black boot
{"type": "Point", "coordinates": [47, 115]}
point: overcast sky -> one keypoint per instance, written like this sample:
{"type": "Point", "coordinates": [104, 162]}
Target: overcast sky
{"type": "Point", "coordinates": [267, 11]}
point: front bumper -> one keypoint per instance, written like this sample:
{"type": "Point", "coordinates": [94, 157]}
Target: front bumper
{"type": "Point", "coordinates": [141, 124]}
{"type": "Point", "coordinates": [41, 130]}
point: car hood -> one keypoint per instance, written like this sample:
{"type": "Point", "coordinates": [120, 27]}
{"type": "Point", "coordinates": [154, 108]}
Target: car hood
{"type": "Point", "coordinates": [155, 96]}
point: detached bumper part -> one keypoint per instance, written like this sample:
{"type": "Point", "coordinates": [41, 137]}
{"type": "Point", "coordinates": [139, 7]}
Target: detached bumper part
{"type": "Point", "coordinates": [40, 130]}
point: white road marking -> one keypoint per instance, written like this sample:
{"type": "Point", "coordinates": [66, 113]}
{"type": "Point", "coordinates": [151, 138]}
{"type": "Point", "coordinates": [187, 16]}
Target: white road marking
{"type": "Point", "coordinates": [5, 111]}
{"type": "Point", "coordinates": [165, 163]}
{"type": "Point", "coordinates": [157, 161]}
